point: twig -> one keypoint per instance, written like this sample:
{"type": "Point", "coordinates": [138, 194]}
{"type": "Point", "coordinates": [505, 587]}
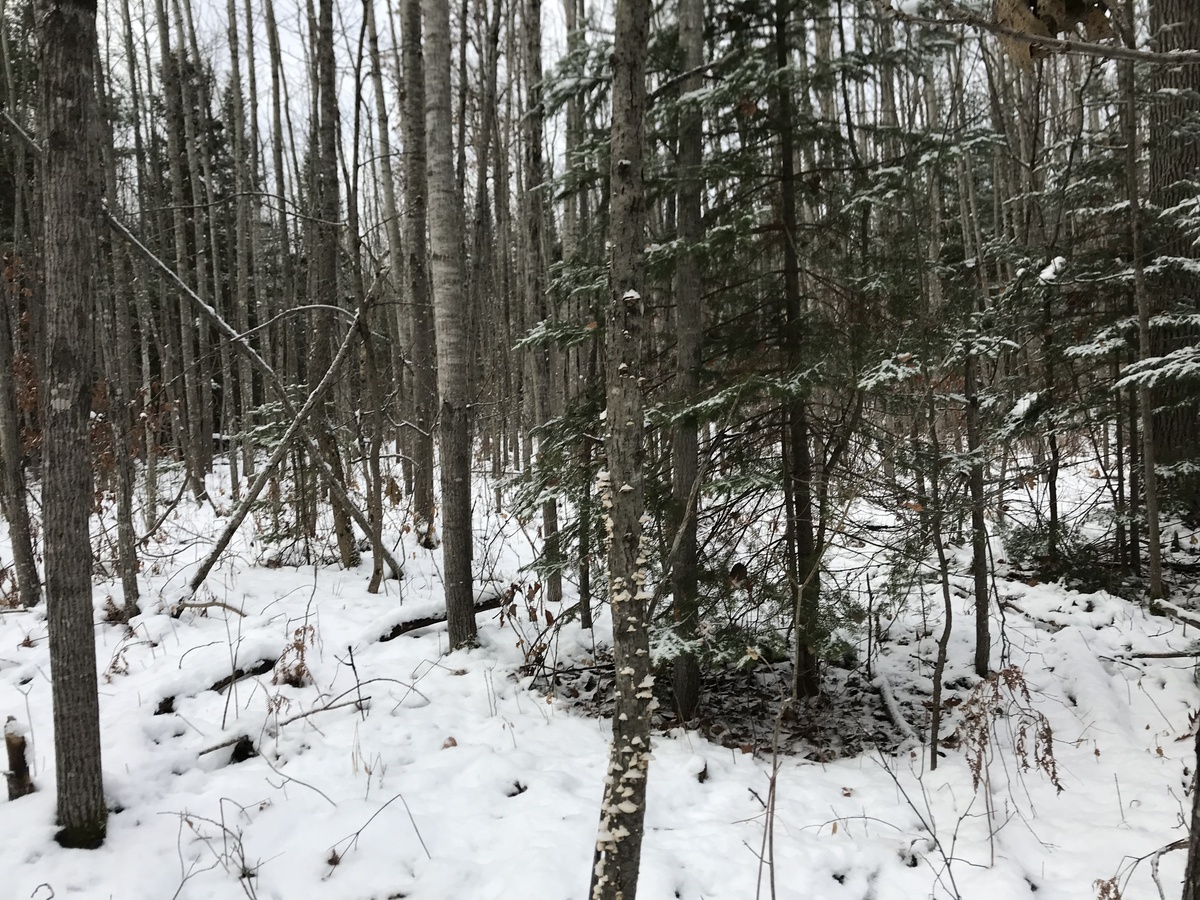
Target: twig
{"type": "Point", "coordinates": [204, 604]}
{"type": "Point", "coordinates": [304, 715]}
{"type": "Point", "coordinates": [353, 838]}
{"type": "Point", "coordinates": [295, 780]}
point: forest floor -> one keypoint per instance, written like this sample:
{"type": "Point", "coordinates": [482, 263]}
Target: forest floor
{"type": "Point", "coordinates": [277, 746]}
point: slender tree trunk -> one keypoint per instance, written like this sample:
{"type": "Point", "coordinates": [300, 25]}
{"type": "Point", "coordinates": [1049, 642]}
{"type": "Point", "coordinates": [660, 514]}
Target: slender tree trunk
{"type": "Point", "coordinates": [450, 326]}
{"type": "Point", "coordinates": [979, 540]}
{"type": "Point", "coordinates": [535, 262]}
{"type": "Point", "coordinates": [71, 207]}
{"type": "Point", "coordinates": [623, 809]}
{"type": "Point", "coordinates": [16, 510]}
{"type": "Point", "coordinates": [424, 342]}
{"type": "Point", "coordinates": [287, 273]}
{"type": "Point", "coordinates": [807, 679]}
{"type": "Point", "coordinates": [324, 270]}
{"type": "Point", "coordinates": [239, 429]}
{"type": "Point", "coordinates": [118, 359]}
{"type": "Point", "coordinates": [689, 326]}
{"type": "Point", "coordinates": [176, 328]}
{"type": "Point", "coordinates": [1142, 299]}
{"type": "Point", "coordinates": [391, 210]}
{"type": "Point", "coordinates": [15, 505]}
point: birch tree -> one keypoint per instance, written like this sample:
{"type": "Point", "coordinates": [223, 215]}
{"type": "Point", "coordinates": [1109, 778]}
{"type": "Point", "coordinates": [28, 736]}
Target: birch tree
{"type": "Point", "coordinates": [450, 326]}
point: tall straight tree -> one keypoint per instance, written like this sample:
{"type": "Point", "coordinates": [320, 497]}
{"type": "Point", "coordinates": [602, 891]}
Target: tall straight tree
{"type": "Point", "coordinates": [71, 192]}
{"type": "Point", "coordinates": [1174, 173]}
{"type": "Point", "coordinates": [416, 204]}
{"type": "Point", "coordinates": [623, 810]}
{"type": "Point", "coordinates": [688, 329]}
{"type": "Point", "coordinates": [450, 326]}
{"type": "Point", "coordinates": [324, 271]}
{"type": "Point", "coordinates": [535, 262]}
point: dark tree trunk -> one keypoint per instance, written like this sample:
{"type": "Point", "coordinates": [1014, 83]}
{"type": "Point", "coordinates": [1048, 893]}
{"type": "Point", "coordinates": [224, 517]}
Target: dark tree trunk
{"type": "Point", "coordinates": [71, 194]}
{"type": "Point", "coordinates": [689, 327]}
{"type": "Point", "coordinates": [979, 541]}
{"type": "Point", "coordinates": [325, 267]}
{"type": "Point", "coordinates": [423, 350]}
{"type": "Point", "coordinates": [1174, 174]}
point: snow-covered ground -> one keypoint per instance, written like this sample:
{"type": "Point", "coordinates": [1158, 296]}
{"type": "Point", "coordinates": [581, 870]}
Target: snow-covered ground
{"type": "Point", "coordinates": [398, 771]}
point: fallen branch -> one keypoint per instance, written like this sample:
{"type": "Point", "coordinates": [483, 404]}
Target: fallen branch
{"type": "Point", "coordinates": [1052, 627]}
{"type": "Point", "coordinates": [237, 738]}
{"type": "Point", "coordinates": [259, 668]}
{"type": "Point", "coordinates": [424, 622]}
{"type": "Point", "coordinates": [271, 378]}
{"type": "Point", "coordinates": [203, 604]}
{"type": "Point", "coordinates": [1171, 611]}
{"type": "Point", "coordinates": [281, 450]}
{"type": "Point", "coordinates": [893, 708]}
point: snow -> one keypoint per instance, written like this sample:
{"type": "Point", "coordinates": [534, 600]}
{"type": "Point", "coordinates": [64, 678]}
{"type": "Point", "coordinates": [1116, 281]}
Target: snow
{"type": "Point", "coordinates": [422, 775]}
{"type": "Point", "coordinates": [1050, 274]}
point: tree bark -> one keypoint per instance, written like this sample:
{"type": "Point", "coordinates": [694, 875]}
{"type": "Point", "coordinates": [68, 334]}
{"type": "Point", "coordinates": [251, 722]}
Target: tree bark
{"type": "Point", "coordinates": [416, 199]}
{"type": "Point", "coordinates": [689, 327]}
{"type": "Point", "coordinates": [450, 326]}
{"type": "Point", "coordinates": [623, 809]}
{"type": "Point", "coordinates": [12, 285]}
{"type": "Point", "coordinates": [324, 273]}
{"type": "Point", "coordinates": [1174, 168]}
{"type": "Point", "coordinates": [1142, 301]}
{"type": "Point", "coordinates": [71, 209]}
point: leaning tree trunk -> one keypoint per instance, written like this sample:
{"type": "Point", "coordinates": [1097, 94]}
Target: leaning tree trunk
{"type": "Point", "coordinates": [71, 209]}
{"type": "Point", "coordinates": [623, 810]}
{"type": "Point", "coordinates": [450, 326]}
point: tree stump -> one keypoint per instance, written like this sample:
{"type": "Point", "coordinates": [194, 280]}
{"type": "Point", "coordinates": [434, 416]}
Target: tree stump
{"type": "Point", "coordinates": [19, 782]}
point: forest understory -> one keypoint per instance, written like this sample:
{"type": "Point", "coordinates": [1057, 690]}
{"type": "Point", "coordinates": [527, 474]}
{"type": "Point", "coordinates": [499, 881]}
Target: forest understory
{"type": "Point", "coordinates": [284, 733]}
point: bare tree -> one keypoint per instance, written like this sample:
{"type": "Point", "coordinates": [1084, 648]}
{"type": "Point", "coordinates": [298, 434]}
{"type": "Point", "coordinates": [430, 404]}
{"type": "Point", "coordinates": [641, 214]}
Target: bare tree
{"type": "Point", "coordinates": [416, 199]}
{"type": "Point", "coordinates": [71, 194]}
{"type": "Point", "coordinates": [623, 809]}
{"type": "Point", "coordinates": [450, 325]}
{"type": "Point", "coordinates": [689, 326]}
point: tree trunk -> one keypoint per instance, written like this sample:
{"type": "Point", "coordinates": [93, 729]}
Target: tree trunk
{"type": "Point", "coordinates": [118, 368]}
{"type": "Point", "coordinates": [325, 268]}
{"type": "Point", "coordinates": [424, 342]}
{"type": "Point", "coordinates": [623, 809]}
{"type": "Point", "coordinates": [689, 327]}
{"type": "Point", "coordinates": [1142, 301]}
{"type": "Point", "coordinates": [450, 326]}
{"type": "Point", "coordinates": [807, 589]}
{"type": "Point", "coordinates": [71, 209]}
{"type": "Point", "coordinates": [979, 540]}
{"type": "Point", "coordinates": [1174, 164]}
{"type": "Point", "coordinates": [535, 264]}
{"type": "Point", "coordinates": [12, 284]}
